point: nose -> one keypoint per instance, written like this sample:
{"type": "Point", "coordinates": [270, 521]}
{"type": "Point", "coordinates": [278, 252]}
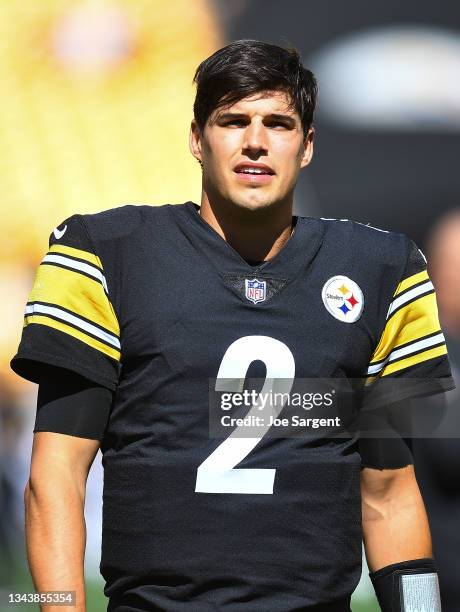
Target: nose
{"type": "Point", "coordinates": [255, 138]}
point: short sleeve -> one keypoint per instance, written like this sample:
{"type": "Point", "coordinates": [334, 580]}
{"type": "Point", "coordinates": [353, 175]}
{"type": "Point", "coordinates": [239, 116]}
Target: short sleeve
{"type": "Point", "coordinates": [69, 319]}
{"type": "Point", "coordinates": [410, 359]}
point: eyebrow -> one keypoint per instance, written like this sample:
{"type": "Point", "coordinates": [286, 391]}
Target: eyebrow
{"type": "Point", "coordinates": [288, 119]}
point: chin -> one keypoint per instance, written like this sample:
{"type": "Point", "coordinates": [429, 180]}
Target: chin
{"type": "Point", "coordinates": [253, 202]}
{"type": "Point", "coordinates": [252, 206]}
{"type": "Point", "coordinates": [262, 205]}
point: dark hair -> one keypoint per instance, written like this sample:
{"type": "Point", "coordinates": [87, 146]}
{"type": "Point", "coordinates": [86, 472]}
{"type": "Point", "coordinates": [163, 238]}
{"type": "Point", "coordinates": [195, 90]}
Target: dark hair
{"type": "Point", "coordinates": [247, 67]}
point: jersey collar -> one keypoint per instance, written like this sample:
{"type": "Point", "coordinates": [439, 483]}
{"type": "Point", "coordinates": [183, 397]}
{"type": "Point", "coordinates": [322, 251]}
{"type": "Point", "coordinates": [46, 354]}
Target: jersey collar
{"type": "Point", "coordinates": [295, 256]}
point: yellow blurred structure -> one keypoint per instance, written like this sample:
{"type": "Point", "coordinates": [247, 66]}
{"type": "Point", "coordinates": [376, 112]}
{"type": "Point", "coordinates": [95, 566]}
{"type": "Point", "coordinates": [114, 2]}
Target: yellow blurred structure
{"type": "Point", "coordinates": [95, 109]}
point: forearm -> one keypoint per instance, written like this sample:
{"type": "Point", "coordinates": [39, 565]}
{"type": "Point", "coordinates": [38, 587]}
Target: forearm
{"type": "Point", "coordinates": [56, 537]}
{"type": "Point", "coordinates": [395, 525]}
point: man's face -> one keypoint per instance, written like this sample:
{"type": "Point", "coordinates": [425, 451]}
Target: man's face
{"type": "Point", "coordinates": [252, 151]}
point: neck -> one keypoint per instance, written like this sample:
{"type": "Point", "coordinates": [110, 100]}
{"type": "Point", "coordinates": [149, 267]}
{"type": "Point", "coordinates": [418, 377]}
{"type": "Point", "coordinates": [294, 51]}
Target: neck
{"type": "Point", "coordinates": [257, 235]}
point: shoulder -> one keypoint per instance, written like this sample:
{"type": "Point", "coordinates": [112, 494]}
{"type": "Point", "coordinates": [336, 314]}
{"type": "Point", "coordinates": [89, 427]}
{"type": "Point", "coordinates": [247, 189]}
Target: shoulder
{"type": "Point", "coordinates": [114, 240]}
{"type": "Point", "coordinates": [363, 233]}
{"type": "Point", "coordinates": [375, 245]}
{"type": "Point", "coordinates": [124, 221]}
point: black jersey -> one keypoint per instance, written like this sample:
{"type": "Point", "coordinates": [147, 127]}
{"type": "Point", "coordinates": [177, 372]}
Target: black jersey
{"type": "Point", "coordinates": [152, 303]}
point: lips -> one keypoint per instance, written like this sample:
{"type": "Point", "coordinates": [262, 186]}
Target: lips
{"type": "Point", "coordinates": [249, 169]}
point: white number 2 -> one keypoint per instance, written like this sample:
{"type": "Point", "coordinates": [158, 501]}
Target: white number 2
{"type": "Point", "coordinates": [217, 473]}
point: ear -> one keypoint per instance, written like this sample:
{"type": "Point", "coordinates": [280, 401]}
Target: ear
{"type": "Point", "coordinates": [307, 148]}
{"type": "Point", "coordinates": [195, 140]}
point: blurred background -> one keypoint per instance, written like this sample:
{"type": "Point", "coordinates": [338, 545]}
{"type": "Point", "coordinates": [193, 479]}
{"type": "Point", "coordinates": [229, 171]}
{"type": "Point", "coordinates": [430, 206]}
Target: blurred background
{"type": "Point", "coordinates": [95, 108]}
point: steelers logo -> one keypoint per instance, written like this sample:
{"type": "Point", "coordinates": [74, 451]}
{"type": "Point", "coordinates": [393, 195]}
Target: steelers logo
{"type": "Point", "coordinates": [343, 298]}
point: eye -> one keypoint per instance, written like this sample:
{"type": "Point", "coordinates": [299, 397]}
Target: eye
{"type": "Point", "coordinates": [277, 124]}
{"type": "Point", "coordinates": [237, 122]}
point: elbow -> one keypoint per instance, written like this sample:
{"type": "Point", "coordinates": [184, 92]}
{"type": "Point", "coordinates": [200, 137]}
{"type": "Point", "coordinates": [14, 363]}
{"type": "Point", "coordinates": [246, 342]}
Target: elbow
{"type": "Point", "coordinates": [27, 494]}
{"type": "Point", "coordinates": [27, 504]}
{"type": "Point", "coordinates": [34, 492]}
{"type": "Point", "coordinates": [55, 489]}
{"type": "Point", "coordinates": [386, 493]}
{"type": "Point", "coordinates": [379, 495]}
{"type": "Point", "coordinates": [29, 491]}
{"type": "Point", "coordinates": [29, 497]}
{"type": "Point", "coordinates": [375, 508]}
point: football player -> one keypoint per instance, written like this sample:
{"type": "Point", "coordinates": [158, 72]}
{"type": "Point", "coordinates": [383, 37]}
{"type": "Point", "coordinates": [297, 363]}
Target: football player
{"type": "Point", "coordinates": [138, 313]}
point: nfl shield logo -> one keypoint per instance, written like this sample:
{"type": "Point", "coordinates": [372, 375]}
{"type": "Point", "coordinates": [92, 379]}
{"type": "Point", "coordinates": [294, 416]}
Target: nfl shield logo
{"type": "Point", "coordinates": [255, 290]}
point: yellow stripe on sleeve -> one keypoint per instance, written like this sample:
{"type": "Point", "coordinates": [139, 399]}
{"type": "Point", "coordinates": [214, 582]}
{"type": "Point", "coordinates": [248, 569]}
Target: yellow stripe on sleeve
{"type": "Point", "coordinates": [437, 351]}
{"type": "Point", "coordinates": [412, 322]}
{"type": "Point", "coordinates": [410, 281]}
{"type": "Point", "coordinates": [71, 331]}
{"type": "Point", "coordinates": [80, 294]}
{"type": "Point", "coordinates": [72, 252]}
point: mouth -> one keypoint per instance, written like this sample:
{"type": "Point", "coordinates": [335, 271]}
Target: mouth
{"type": "Point", "coordinates": [254, 173]}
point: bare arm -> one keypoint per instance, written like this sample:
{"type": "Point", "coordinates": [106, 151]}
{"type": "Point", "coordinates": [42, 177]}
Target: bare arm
{"type": "Point", "coordinates": [395, 524]}
{"type": "Point", "coordinates": [54, 506]}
